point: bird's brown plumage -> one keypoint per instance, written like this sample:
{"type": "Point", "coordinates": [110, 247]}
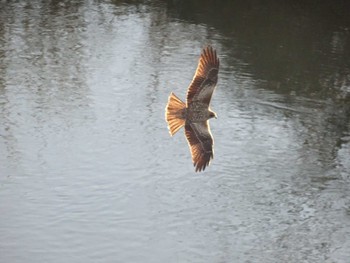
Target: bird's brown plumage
{"type": "Point", "coordinates": [201, 142]}
{"type": "Point", "coordinates": [205, 78]}
{"type": "Point", "coordinates": [196, 113]}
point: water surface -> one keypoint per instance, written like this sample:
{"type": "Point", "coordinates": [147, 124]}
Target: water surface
{"type": "Point", "coordinates": [89, 173]}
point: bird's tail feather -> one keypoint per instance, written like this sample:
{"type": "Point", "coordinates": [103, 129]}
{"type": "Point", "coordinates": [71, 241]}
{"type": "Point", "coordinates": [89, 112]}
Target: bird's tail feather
{"type": "Point", "coordinates": [175, 113]}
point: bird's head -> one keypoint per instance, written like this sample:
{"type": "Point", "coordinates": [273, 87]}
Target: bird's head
{"type": "Point", "coordinates": [212, 115]}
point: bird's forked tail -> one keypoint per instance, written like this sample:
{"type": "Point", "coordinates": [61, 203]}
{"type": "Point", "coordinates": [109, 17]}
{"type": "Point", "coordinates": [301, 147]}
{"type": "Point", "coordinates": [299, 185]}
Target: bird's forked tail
{"type": "Point", "coordinates": [175, 113]}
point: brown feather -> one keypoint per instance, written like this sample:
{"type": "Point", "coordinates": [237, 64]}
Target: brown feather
{"type": "Point", "coordinates": [201, 143]}
{"type": "Point", "coordinates": [205, 78]}
{"type": "Point", "coordinates": [175, 114]}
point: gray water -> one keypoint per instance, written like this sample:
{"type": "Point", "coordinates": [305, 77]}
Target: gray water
{"type": "Point", "coordinates": [89, 173]}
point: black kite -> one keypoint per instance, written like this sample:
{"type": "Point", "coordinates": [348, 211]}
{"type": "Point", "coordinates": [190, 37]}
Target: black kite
{"type": "Point", "coordinates": [195, 114]}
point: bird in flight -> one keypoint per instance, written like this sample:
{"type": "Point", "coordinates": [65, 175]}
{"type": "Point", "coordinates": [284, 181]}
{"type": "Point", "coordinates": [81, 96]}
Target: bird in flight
{"type": "Point", "coordinates": [195, 113]}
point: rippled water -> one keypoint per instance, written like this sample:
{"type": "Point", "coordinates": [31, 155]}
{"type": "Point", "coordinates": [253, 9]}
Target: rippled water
{"type": "Point", "coordinates": [89, 173]}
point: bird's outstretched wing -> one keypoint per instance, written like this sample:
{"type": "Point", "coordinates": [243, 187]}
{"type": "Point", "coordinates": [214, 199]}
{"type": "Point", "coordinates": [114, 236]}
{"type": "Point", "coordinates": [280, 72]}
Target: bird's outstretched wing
{"type": "Point", "coordinates": [201, 143]}
{"type": "Point", "coordinates": [205, 78]}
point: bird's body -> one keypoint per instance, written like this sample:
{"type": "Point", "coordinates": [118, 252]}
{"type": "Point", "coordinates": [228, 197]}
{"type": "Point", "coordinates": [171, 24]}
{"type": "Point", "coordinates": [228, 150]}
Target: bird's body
{"type": "Point", "coordinates": [194, 115]}
{"type": "Point", "coordinates": [198, 112]}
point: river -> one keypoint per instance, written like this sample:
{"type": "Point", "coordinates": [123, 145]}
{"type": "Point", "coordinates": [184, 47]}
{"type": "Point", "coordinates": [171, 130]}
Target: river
{"type": "Point", "coordinates": [89, 173]}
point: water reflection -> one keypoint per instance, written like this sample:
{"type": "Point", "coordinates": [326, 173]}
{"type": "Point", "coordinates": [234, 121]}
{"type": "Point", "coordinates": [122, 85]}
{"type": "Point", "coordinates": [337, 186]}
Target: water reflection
{"type": "Point", "coordinates": [300, 52]}
{"type": "Point", "coordinates": [86, 171]}
{"type": "Point", "coordinates": [43, 74]}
